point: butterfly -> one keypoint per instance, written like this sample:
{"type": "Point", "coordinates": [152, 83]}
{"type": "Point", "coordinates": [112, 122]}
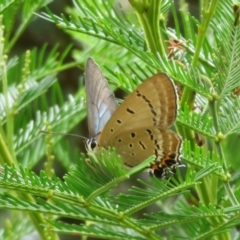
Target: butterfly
{"type": "Point", "coordinates": [138, 128]}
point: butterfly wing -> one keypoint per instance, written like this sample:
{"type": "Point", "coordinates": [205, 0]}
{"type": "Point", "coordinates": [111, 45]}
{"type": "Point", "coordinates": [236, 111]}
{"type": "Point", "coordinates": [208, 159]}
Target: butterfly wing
{"type": "Point", "coordinates": [138, 144]}
{"type": "Point", "coordinates": [101, 103]}
{"type": "Point", "coordinates": [138, 128]}
{"type": "Point", "coordinates": [153, 103]}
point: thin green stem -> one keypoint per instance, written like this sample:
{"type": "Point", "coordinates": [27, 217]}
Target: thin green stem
{"type": "Point", "coordinates": [105, 188]}
{"type": "Point", "coordinates": [212, 231]}
{"type": "Point", "coordinates": [60, 69]}
{"type": "Point", "coordinates": [124, 220]}
{"type": "Point", "coordinates": [116, 216]}
{"type": "Point", "coordinates": [207, 193]}
{"type": "Point", "coordinates": [143, 231]}
{"type": "Point", "coordinates": [155, 15]}
{"type": "Point", "coordinates": [214, 182]}
{"type": "Point", "coordinates": [231, 195]}
{"type": "Point", "coordinates": [188, 95]}
{"type": "Point", "coordinates": [190, 219]}
{"type": "Point", "coordinates": [26, 20]}
{"type": "Point", "coordinates": [208, 12]}
{"type": "Point", "coordinates": [144, 204]}
{"type": "Point", "coordinates": [9, 116]}
{"type": "Point", "coordinates": [6, 157]}
{"type": "Point", "coordinates": [148, 14]}
{"type": "Point", "coordinates": [38, 219]}
{"type": "Point", "coordinates": [116, 181]}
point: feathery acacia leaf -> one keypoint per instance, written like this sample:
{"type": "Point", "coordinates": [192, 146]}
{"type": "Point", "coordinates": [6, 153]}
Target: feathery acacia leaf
{"type": "Point", "coordinates": [206, 66]}
{"type": "Point", "coordinates": [61, 120]}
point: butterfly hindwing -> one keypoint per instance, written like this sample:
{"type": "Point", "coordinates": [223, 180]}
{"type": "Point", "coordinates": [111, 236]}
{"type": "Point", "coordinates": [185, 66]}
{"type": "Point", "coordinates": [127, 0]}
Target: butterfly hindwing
{"type": "Point", "coordinates": [138, 144]}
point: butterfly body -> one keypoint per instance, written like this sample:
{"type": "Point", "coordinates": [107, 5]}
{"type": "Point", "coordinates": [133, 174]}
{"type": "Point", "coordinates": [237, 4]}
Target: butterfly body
{"type": "Point", "coordinates": [138, 128]}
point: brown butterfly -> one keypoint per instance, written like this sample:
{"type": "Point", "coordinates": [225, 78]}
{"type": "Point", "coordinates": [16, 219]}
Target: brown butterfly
{"type": "Point", "coordinates": [138, 128]}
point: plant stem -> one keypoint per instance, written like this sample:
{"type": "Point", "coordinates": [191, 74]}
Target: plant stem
{"type": "Point", "coordinates": [148, 14]}
{"type": "Point", "coordinates": [105, 188]}
{"type": "Point", "coordinates": [38, 220]}
{"type": "Point", "coordinates": [7, 143]}
{"type": "Point", "coordinates": [188, 95]}
{"type": "Point", "coordinates": [26, 20]}
{"type": "Point", "coordinates": [6, 157]}
{"type": "Point", "coordinates": [161, 195]}
{"type": "Point", "coordinates": [231, 195]}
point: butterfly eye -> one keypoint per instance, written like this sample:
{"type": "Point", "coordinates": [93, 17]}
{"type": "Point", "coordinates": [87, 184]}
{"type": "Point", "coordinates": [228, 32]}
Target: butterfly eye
{"type": "Point", "coordinates": [93, 144]}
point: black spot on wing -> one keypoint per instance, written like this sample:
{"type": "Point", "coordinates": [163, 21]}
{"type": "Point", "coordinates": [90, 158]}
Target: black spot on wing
{"type": "Point", "coordinates": [145, 99]}
{"type": "Point", "coordinates": [133, 135]}
{"type": "Point", "coordinates": [142, 145]}
{"type": "Point", "coordinates": [130, 111]}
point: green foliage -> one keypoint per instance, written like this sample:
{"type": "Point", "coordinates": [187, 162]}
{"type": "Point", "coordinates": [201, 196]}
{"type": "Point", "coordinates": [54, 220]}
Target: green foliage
{"type": "Point", "coordinates": [199, 201]}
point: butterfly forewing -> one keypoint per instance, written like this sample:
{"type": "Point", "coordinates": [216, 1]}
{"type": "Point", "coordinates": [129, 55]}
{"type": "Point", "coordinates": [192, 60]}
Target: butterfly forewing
{"type": "Point", "coordinates": [153, 103]}
{"type": "Point", "coordinates": [101, 103]}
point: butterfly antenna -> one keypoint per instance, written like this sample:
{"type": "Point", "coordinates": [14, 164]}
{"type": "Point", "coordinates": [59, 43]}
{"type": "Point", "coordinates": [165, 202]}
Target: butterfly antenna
{"type": "Point", "coordinates": [66, 134]}
{"type": "Point", "coordinates": [97, 134]}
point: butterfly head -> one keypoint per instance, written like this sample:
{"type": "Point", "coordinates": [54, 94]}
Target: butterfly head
{"type": "Point", "coordinates": [91, 144]}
